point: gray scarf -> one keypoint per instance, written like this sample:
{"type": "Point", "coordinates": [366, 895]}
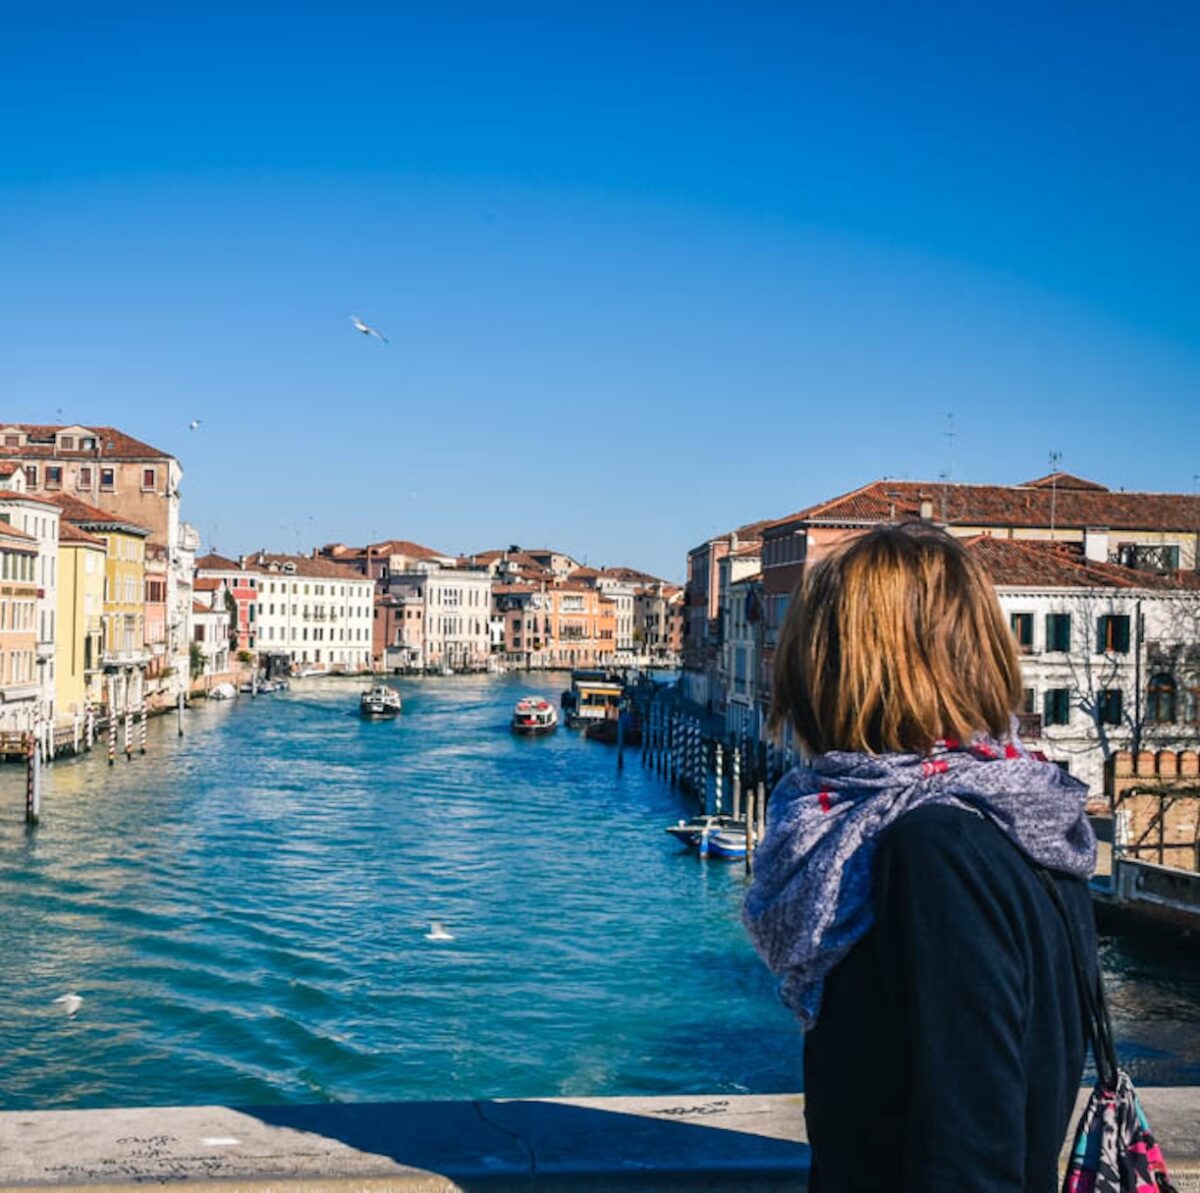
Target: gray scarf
{"type": "Point", "coordinates": [810, 901]}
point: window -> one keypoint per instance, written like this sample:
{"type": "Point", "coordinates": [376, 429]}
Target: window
{"type": "Point", "coordinates": [1056, 706]}
{"type": "Point", "coordinates": [1022, 628]}
{"type": "Point", "coordinates": [87, 444]}
{"type": "Point", "coordinates": [1108, 706]}
{"type": "Point", "coordinates": [12, 440]}
{"type": "Point", "coordinates": [1058, 631]}
{"type": "Point", "coordinates": [1160, 699]}
{"type": "Point", "coordinates": [1028, 700]}
{"type": "Point", "coordinates": [1112, 634]}
{"type": "Point", "coordinates": [147, 478]}
{"type": "Point", "coordinates": [31, 475]}
{"type": "Point", "coordinates": [66, 443]}
{"type": "Point", "coordinates": [85, 477]}
{"type": "Point", "coordinates": [53, 476]}
{"type": "Point", "coordinates": [108, 479]}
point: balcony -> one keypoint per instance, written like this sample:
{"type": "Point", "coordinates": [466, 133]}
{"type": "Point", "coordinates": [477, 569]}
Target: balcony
{"type": "Point", "coordinates": [133, 656]}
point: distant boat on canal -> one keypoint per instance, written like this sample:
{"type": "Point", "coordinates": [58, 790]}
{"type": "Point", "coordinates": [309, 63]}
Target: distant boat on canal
{"type": "Point", "coordinates": [379, 702]}
{"type": "Point", "coordinates": [534, 716]}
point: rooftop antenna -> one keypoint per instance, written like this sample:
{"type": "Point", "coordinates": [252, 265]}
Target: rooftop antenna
{"type": "Point", "coordinates": [951, 436]}
{"type": "Point", "coordinates": [1055, 461]}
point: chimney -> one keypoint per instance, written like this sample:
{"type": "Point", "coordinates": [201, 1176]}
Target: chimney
{"type": "Point", "coordinates": [926, 509]}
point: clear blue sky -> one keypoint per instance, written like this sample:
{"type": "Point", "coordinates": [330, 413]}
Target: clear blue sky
{"type": "Point", "coordinates": [648, 270]}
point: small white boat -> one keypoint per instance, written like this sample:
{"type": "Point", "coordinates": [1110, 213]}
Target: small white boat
{"type": "Point", "coordinates": [380, 701]}
{"type": "Point", "coordinates": [534, 716]}
{"type": "Point", "coordinates": [712, 836]}
{"type": "Point", "coordinates": [223, 691]}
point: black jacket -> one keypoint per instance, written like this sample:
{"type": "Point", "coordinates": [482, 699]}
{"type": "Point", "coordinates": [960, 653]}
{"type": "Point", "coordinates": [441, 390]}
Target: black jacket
{"type": "Point", "coordinates": [949, 1047]}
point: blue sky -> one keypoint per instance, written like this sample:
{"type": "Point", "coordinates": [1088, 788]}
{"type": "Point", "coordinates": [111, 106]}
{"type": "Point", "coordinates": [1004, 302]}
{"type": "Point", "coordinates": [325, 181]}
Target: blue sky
{"type": "Point", "coordinates": [648, 271]}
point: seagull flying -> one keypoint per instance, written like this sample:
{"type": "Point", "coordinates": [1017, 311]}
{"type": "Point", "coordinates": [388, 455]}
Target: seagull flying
{"type": "Point", "coordinates": [70, 1004]}
{"type": "Point", "coordinates": [194, 425]}
{"type": "Point", "coordinates": [359, 325]}
{"type": "Point", "coordinates": [437, 931]}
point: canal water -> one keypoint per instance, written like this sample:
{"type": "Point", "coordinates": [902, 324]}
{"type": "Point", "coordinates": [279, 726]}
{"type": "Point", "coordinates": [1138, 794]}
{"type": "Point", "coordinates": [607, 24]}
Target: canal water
{"type": "Point", "coordinates": [246, 912]}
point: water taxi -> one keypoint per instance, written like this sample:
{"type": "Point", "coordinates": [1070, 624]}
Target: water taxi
{"type": "Point", "coordinates": [594, 695]}
{"type": "Point", "coordinates": [380, 701]}
{"type": "Point", "coordinates": [533, 716]}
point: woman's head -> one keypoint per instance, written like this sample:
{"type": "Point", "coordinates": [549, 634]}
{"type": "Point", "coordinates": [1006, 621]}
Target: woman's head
{"type": "Point", "coordinates": [895, 641]}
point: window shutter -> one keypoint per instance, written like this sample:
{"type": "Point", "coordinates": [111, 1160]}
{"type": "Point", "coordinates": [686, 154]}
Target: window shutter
{"type": "Point", "coordinates": [1102, 634]}
{"type": "Point", "coordinates": [1048, 708]}
{"type": "Point", "coordinates": [1122, 637]}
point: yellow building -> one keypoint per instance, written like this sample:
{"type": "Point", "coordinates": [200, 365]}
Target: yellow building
{"type": "Point", "coordinates": [123, 651]}
{"type": "Point", "coordinates": [79, 647]}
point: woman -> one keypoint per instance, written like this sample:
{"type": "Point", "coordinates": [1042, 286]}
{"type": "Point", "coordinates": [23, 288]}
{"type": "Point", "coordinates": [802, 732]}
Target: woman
{"type": "Point", "coordinates": [897, 891]}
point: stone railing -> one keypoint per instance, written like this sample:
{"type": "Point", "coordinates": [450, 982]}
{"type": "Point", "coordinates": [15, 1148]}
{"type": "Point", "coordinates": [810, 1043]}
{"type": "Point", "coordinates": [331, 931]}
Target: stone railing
{"type": "Point", "coordinates": [702, 1142]}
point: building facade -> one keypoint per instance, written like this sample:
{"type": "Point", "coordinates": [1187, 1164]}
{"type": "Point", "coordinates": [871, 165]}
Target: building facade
{"type": "Point", "coordinates": [79, 647]}
{"type": "Point", "coordinates": [19, 688]}
{"type": "Point", "coordinates": [454, 607]}
{"type": "Point", "coordinates": [313, 610]}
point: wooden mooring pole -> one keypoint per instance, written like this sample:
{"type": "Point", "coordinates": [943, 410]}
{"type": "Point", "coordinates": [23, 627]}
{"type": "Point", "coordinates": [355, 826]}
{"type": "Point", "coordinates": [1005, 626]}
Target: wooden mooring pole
{"type": "Point", "coordinates": [735, 780]}
{"type": "Point", "coordinates": [33, 779]}
{"type": "Point", "coordinates": [750, 835]}
{"type": "Point", "coordinates": [179, 711]}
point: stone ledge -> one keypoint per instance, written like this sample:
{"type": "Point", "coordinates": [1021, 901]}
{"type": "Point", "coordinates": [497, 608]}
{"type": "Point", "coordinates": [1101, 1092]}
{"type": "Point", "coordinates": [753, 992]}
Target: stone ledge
{"type": "Point", "coordinates": [703, 1142]}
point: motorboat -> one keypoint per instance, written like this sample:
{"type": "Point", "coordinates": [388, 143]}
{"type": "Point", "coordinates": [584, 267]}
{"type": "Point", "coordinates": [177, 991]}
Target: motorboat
{"type": "Point", "coordinates": [380, 701]}
{"type": "Point", "coordinates": [712, 836]}
{"type": "Point", "coordinates": [223, 691]}
{"type": "Point", "coordinates": [533, 716]}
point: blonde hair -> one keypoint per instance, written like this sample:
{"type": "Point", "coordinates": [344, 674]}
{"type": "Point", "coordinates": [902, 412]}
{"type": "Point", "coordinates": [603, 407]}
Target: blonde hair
{"type": "Point", "coordinates": [894, 642]}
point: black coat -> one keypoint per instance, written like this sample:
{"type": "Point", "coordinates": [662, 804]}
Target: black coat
{"type": "Point", "coordinates": [949, 1047]}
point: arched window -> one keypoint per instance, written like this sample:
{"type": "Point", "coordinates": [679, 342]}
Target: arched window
{"type": "Point", "coordinates": [1160, 699]}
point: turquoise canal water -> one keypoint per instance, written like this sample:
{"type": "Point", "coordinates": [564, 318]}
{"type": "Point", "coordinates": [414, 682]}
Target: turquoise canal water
{"type": "Point", "coordinates": [244, 913]}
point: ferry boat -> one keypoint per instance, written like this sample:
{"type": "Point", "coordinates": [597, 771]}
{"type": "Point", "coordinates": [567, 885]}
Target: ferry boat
{"type": "Point", "coordinates": [380, 701]}
{"type": "Point", "coordinates": [712, 836]}
{"type": "Point", "coordinates": [594, 695]}
{"type": "Point", "coordinates": [534, 716]}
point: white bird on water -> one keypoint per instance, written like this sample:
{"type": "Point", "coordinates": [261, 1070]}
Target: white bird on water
{"type": "Point", "coordinates": [367, 330]}
{"type": "Point", "coordinates": [70, 1004]}
{"type": "Point", "coordinates": [437, 931]}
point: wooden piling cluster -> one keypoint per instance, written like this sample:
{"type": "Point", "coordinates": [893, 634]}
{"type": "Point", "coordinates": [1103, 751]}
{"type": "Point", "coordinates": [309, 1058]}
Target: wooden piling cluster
{"type": "Point", "coordinates": [727, 773]}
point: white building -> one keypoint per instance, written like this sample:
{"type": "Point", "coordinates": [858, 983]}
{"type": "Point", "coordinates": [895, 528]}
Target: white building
{"type": "Point", "coordinates": [210, 633]}
{"type": "Point", "coordinates": [1110, 656]}
{"type": "Point", "coordinates": [313, 610]}
{"type": "Point", "coordinates": [741, 657]}
{"type": "Point", "coordinates": [457, 618]}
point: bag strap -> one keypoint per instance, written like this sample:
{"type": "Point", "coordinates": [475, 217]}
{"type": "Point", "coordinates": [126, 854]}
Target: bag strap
{"type": "Point", "coordinates": [1091, 994]}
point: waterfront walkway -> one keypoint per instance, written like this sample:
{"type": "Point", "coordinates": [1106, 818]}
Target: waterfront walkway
{"type": "Point", "coordinates": [679, 1142]}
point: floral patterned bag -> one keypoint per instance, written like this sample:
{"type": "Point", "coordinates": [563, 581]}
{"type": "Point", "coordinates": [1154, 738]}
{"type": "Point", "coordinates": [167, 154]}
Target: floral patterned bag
{"type": "Point", "coordinates": [1114, 1150]}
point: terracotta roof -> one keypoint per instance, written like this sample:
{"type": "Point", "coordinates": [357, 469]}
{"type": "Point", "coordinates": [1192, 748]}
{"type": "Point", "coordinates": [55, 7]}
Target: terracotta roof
{"type": "Point", "coordinates": [632, 574]}
{"type": "Point", "coordinates": [83, 514]}
{"type": "Point", "coordinates": [1064, 481]}
{"type": "Point", "coordinates": [583, 573]}
{"type": "Point", "coordinates": [111, 443]}
{"type": "Point", "coordinates": [404, 547]}
{"type": "Point", "coordinates": [11, 532]}
{"type": "Point", "coordinates": [1077, 507]}
{"type": "Point", "coordinates": [207, 584]}
{"type": "Point", "coordinates": [1020, 563]}
{"type": "Point", "coordinates": [212, 562]}
{"type": "Point", "coordinates": [200, 607]}
{"type": "Point", "coordinates": [305, 565]}
{"type": "Point", "coordinates": [68, 532]}
{"type": "Point", "coordinates": [8, 468]}
{"type": "Point", "coordinates": [14, 495]}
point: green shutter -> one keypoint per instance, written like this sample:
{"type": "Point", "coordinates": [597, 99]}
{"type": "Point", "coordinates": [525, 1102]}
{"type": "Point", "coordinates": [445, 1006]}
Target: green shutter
{"type": "Point", "coordinates": [1102, 634]}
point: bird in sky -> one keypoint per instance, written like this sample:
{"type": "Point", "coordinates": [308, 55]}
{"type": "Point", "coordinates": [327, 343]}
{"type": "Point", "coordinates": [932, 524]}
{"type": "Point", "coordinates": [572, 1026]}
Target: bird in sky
{"type": "Point", "coordinates": [367, 330]}
{"type": "Point", "coordinates": [194, 425]}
